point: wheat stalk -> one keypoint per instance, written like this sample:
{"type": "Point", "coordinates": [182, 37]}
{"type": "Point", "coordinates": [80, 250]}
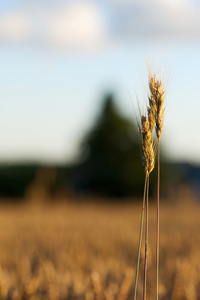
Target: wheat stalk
{"type": "Point", "coordinates": [140, 240]}
{"type": "Point", "coordinates": [156, 99]}
{"type": "Point", "coordinates": [148, 161]}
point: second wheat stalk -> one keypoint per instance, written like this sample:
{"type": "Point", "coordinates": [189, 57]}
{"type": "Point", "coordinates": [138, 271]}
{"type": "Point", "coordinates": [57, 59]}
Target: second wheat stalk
{"type": "Point", "coordinates": [157, 97]}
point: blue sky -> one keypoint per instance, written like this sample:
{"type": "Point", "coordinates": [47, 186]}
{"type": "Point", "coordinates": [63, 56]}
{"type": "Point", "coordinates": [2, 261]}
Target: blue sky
{"type": "Point", "coordinates": [58, 58]}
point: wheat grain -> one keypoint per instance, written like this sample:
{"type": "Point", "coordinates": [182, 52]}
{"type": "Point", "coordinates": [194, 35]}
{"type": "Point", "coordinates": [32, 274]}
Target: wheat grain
{"type": "Point", "coordinates": [148, 155]}
{"type": "Point", "coordinates": [156, 103]}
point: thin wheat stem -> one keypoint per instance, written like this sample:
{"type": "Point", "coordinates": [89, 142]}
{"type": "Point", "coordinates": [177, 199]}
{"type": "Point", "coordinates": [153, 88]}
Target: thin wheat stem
{"type": "Point", "coordinates": [140, 239]}
{"type": "Point", "coordinates": [146, 243]}
{"type": "Point", "coordinates": [157, 224]}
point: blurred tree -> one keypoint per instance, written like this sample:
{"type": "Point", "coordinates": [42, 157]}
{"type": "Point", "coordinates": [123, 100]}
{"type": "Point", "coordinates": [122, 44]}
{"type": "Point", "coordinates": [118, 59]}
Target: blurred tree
{"type": "Point", "coordinates": [111, 155]}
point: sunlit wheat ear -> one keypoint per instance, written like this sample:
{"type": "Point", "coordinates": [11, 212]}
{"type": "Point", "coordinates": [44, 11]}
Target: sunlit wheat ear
{"type": "Point", "coordinates": [96, 285]}
{"type": "Point", "coordinates": [31, 288]}
{"type": "Point", "coordinates": [160, 109]}
{"type": "Point", "coordinates": [156, 103]}
{"type": "Point", "coordinates": [151, 109]}
{"type": "Point", "coordinates": [51, 281]}
{"type": "Point", "coordinates": [126, 285]}
{"type": "Point", "coordinates": [3, 284]}
{"type": "Point", "coordinates": [148, 155]}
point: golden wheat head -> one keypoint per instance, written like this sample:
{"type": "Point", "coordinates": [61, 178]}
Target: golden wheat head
{"type": "Point", "coordinates": [156, 105]}
{"type": "Point", "coordinates": [148, 156]}
{"type": "Point", "coordinates": [152, 103]}
{"type": "Point", "coordinates": [160, 109]}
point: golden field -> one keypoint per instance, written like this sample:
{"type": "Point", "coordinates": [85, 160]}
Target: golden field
{"type": "Point", "coordinates": [89, 251]}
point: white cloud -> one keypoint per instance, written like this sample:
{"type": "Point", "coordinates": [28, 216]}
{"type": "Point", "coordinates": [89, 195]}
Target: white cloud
{"type": "Point", "coordinates": [81, 24]}
{"type": "Point", "coordinates": [16, 26]}
{"type": "Point", "coordinates": [78, 24]}
{"type": "Point", "coordinates": [156, 18]}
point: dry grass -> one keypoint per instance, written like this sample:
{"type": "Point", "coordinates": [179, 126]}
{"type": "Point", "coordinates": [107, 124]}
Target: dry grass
{"type": "Point", "coordinates": [89, 252]}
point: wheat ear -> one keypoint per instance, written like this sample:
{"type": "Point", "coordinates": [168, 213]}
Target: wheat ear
{"type": "Point", "coordinates": [96, 285]}
{"type": "Point", "coordinates": [148, 155]}
{"type": "Point", "coordinates": [126, 285]}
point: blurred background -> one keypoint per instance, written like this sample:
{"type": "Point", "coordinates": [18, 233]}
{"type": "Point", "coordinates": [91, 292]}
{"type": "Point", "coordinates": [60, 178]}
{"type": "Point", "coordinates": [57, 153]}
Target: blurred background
{"type": "Point", "coordinates": [71, 179]}
{"type": "Point", "coordinates": [67, 66]}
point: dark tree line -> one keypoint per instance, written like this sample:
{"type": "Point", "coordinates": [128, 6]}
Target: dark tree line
{"type": "Point", "coordinates": [109, 164]}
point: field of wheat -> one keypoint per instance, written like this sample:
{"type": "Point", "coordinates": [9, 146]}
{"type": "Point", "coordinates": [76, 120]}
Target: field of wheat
{"type": "Point", "coordinates": [89, 251]}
